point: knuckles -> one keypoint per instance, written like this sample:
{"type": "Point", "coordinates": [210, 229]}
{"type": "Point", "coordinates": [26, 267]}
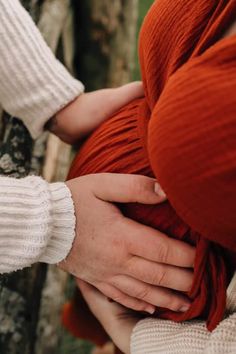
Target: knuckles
{"type": "Point", "coordinates": [163, 251]}
{"type": "Point", "coordinates": [159, 277]}
{"type": "Point", "coordinates": [142, 293]}
{"type": "Point", "coordinates": [136, 187]}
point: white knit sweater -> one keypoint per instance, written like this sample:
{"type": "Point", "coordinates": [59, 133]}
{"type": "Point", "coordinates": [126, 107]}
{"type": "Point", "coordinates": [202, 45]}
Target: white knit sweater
{"type": "Point", "coordinates": [33, 84]}
{"type": "Point", "coordinates": [36, 218]}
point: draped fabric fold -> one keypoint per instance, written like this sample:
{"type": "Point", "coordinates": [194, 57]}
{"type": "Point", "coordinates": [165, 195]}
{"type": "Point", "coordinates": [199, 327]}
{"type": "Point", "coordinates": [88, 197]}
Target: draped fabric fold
{"type": "Point", "coordinates": [183, 133]}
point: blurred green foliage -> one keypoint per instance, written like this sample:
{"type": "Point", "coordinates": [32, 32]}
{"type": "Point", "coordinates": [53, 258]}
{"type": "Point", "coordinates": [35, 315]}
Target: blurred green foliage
{"type": "Point", "coordinates": [144, 6]}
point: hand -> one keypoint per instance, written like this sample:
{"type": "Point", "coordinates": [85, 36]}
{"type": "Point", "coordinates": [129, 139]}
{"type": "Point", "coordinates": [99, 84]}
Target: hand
{"type": "Point", "coordinates": [117, 320]}
{"type": "Point", "coordinates": [128, 262]}
{"type": "Point", "coordinates": [119, 323]}
{"type": "Point", "coordinates": [89, 110]}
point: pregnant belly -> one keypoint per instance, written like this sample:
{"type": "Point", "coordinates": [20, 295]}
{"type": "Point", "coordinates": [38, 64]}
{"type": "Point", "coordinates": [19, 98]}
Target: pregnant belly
{"type": "Point", "coordinates": [119, 146]}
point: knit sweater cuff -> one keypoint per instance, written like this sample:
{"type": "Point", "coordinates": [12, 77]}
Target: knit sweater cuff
{"type": "Point", "coordinates": [37, 222]}
{"type": "Point", "coordinates": [34, 85]}
{"type": "Point", "coordinates": [161, 336]}
{"type": "Point", "coordinates": [63, 224]}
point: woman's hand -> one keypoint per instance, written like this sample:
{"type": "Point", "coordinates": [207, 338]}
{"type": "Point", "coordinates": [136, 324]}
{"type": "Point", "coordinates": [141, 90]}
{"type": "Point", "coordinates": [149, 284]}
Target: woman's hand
{"type": "Point", "coordinates": [89, 110]}
{"type": "Point", "coordinates": [119, 323]}
{"type": "Point", "coordinates": [133, 264]}
{"type": "Point", "coordinates": [117, 320]}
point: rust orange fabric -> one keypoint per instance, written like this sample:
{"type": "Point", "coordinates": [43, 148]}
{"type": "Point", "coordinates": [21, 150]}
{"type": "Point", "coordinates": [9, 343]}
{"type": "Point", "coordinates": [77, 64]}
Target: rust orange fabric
{"type": "Point", "coordinates": [183, 132]}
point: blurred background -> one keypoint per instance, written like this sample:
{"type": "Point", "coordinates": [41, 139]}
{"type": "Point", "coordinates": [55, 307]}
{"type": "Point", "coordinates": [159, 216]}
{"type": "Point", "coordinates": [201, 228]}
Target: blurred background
{"type": "Point", "coordinates": [97, 41]}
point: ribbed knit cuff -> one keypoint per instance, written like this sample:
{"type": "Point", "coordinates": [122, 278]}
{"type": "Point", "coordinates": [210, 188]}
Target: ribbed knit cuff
{"type": "Point", "coordinates": [34, 85]}
{"type": "Point", "coordinates": [155, 336]}
{"type": "Point", "coordinates": [37, 222]}
{"type": "Point", "coordinates": [63, 224]}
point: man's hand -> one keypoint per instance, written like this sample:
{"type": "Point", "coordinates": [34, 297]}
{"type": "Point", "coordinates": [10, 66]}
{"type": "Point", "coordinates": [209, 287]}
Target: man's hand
{"type": "Point", "coordinates": [128, 262]}
{"type": "Point", "coordinates": [89, 110]}
{"type": "Point", "coordinates": [117, 320]}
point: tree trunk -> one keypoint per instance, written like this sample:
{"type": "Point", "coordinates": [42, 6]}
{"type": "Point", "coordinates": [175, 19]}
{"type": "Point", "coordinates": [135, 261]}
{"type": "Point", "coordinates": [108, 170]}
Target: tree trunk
{"type": "Point", "coordinates": [106, 43]}
{"type": "Point", "coordinates": [104, 40]}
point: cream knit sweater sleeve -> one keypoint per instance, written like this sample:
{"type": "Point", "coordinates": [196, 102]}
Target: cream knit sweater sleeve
{"type": "Point", "coordinates": [37, 219]}
{"type": "Point", "coordinates": [154, 336]}
{"type": "Point", "coordinates": [34, 85]}
{"type": "Point", "coordinates": [36, 222]}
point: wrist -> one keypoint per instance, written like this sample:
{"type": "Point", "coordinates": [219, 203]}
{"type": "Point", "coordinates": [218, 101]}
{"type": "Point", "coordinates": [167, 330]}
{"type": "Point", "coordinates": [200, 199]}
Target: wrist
{"type": "Point", "coordinates": [123, 330]}
{"type": "Point", "coordinates": [62, 124]}
{"type": "Point", "coordinates": [63, 224]}
{"type": "Point", "coordinates": [120, 330]}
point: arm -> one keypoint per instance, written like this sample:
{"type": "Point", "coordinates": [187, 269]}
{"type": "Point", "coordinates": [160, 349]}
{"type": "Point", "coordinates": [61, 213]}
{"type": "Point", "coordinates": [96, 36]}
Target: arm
{"type": "Point", "coordinates": [34, 92]}
{"type": "Point", "coordinates": [37, 224]}
{"type": "Point", "coordinates": [152, 335]}
{"type": "Point", "coordinates": [34, 85]}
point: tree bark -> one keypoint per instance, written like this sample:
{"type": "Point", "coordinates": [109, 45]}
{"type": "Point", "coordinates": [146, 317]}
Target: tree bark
{"type": "Point", "coordinates": [106, 32]}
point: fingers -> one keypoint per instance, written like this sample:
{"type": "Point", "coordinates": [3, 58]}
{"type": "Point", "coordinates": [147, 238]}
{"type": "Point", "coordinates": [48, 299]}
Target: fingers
{"type": "Point", "coordinates": [117, 98]}
{"type": "Point", "coordinates": [124, 299]}
{"type": "Point", "coordinates": [160, 274]}
{"type": "Point", "coordinates": [153, 245]}
{"type": "Point", "coordinates": [122, 188]}
{"type": "Point", "coordinates": [137, 295]}
{"type": "Point", "coordinates": [129, 92]}
{"type": "Point", "coordinates": [154, 295]}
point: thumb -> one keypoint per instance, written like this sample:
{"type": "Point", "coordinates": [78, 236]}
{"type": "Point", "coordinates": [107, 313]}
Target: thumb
{"type": "Point", "coordinates": [130, 91]}
{"type": "Point", "coordinates": [122, 188]}
{"type": "Point", "coordinates": [119, 97]}
{"type": "Point", "coordinates": [92, 296]}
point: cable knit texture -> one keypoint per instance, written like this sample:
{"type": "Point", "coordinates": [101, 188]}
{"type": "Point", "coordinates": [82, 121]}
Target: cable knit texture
{"type": "Point", "coordinates": [154, 336]}
{"type": "Point", "coordinates": [37, 222]}
{"type": "Point", "coordinates": [33, 84]}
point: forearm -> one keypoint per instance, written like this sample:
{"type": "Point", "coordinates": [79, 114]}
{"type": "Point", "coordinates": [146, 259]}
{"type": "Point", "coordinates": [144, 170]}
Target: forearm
{"type": "Point", "coordinates": [34, 85]}
{"type": "Point", "coordinates": [36, 222]}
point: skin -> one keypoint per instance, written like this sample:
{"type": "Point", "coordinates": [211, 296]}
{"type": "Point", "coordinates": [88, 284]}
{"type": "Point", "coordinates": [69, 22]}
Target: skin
{"type": "Point", "coordinates": [130, 263]}
{"type": "Point", "coordinates": [118, 321]}
{"type": "Point", "coordinates": [88, 111]}
{"type": "Point", "coordinates": [231, 31]}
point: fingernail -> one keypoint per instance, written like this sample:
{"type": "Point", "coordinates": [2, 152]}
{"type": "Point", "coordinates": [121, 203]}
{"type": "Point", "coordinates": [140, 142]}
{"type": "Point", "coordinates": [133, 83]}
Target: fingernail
{"type": "Point", "coordinates": [158, 190]}
{"type": "Point", "coordinates": [184, 308]}
{"type": "Point", "coordinates": [150, 310]}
